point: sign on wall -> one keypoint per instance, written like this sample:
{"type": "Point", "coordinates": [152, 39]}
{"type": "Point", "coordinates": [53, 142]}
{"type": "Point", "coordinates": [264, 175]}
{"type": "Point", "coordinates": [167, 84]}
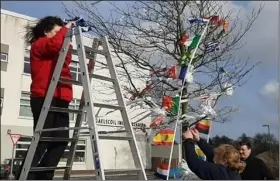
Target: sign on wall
{"type": "Point", "coordinates": [117, 123]}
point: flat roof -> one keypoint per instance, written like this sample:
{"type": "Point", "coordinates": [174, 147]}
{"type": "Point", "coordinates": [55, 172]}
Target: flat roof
{"type": "Point", "coordinates": [29, 18]}
{"type": "Point", "coordinates": [17, 15]}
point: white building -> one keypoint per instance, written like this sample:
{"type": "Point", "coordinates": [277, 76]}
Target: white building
{"type": "Point", "coordinates": [16, 116]}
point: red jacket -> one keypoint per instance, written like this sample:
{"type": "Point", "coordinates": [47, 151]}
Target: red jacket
{"type": "Point", "coordinates": [43, 57]}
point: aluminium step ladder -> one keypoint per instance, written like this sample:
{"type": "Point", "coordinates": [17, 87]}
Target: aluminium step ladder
{"type": "Point", "coordinates": [86, 111]}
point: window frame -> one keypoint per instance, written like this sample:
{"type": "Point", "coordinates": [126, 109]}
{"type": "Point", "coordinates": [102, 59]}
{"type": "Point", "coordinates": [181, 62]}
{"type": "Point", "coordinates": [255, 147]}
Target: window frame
{"type": "Point", "coordinates": [1, 102]}
{"type": "Point", "coordinates": [26, 55]}
{"type": "Point", "coordinates": [25, 98]}
{"type": "Point", "coordinates": [7, 57]}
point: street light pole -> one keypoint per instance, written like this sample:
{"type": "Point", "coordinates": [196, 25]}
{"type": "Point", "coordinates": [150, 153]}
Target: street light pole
{"type": "Point", "coordinates": [268, 129]}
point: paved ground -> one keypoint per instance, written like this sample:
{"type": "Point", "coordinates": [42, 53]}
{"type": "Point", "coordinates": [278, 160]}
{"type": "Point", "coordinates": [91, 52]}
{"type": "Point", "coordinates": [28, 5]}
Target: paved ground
{"type": "Point", "coordinates": [119, 177]}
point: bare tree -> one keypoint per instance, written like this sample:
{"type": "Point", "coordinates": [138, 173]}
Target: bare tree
{"type": "Point", "coordinates": [148, 33]}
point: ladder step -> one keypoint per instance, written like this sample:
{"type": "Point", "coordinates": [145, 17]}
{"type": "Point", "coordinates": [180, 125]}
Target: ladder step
{"type": "Point", "coordinates": [108, 106]}
{"type": "Point", "coordinates": [54, 139]}
{"type": "Point", "coordinates": [91, 51]}
{"type": "Point", "coordinates": [62, 129]}
{"type": "Point", "coordinates": [58, 109]}
{"type": "Point", "coordinates": [108, 132]}
{"type": "Point", "coordinates": [100, 77]}
{"type": "Point", "coordinates": [74, 82]}
{"type": "Point", "coordinates": [79, 83]}
{"type": "Point", "coordinates": [115, 137]}
{"type": "Point", "coordinates": [88, 56]}
{"type": "Point", "coordinates": [76, 111]}
{"type": "Point", "coordinates": [121, 171]}
{"type": "Point", "coordinates": [37, 169]}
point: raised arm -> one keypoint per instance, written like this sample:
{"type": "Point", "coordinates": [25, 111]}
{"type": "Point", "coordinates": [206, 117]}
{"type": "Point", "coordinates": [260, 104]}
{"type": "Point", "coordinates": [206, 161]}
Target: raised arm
{"type": "Point", "coordinates": [203, 169]}
{"type": "Point", "coordinates": [50, 46]}
{"type": "Point", "coordinates": [207, 149]}
{"type": "Point", "coordinates": [203, 145]}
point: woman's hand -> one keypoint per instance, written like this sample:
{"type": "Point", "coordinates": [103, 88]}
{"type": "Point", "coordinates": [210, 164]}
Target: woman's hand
{"type": "Point", "coordinates": [70, 24]}
{"type": "Point", "coordinates": [196, 135]}
{"type": "Point", "coordinates": [187, 134]}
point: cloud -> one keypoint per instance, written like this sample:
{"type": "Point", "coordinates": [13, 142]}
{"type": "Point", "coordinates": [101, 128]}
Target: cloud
{"type": "Point", "coordinates": [270, 90]}
{"type": "Point", "coordinates": [262, 39]}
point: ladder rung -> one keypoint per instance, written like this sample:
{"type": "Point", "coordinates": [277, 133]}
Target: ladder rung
{"type": "Point", "coordinates": [115, 137]}
{"type": "Point", "coordinates": [108, 132]}
{"type": "Point", "coordinates": [55, 139]}
{"type": "Point", "coordinates": [90, 51]}
{"type": "Point", "coordinates": [88, 56]}
{"type": "Point", "coordinates": [121, 171]}
{"type": "Point", "coordinates": [37, 169]}
{"type": "Point", "coordinates": [58, 109]}
{"type": "Point", "coordinates": [62, 129]}
{"type": "Point", "coordinates": [102, 77]}
{"type": "Point", "coordinates": [95, 76]}
{"type": "Point", "coordinates": [75, 82]}
{"type": "Point", "coordinates": [76, 111]}
{"type": "Point", "coordinates": [108, 106]}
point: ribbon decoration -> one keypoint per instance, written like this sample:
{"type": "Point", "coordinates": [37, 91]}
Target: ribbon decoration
{"type": "Point", "coordinates": [227, 86]}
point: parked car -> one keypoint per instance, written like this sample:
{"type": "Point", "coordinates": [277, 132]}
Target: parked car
{"type": "Point", "coordinates": [6, 168]}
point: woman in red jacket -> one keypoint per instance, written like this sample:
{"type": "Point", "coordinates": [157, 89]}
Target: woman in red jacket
{"type": "Point", "coordinates": [46, 39]}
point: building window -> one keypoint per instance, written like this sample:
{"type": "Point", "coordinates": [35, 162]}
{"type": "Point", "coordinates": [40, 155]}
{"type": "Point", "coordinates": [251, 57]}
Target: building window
{"type": "Point", "coordinates": [26, 69]}
{"type": "Point", "coordinates": [80, 154]}
{"type": "Point", "coordinates": [25, 108]}
{"type": "Point", "coordinates": [4, 57]}
{"type": "Point", "coordinates": [75, 71]}
{"type": "Point", "coordinates": [74, 104]}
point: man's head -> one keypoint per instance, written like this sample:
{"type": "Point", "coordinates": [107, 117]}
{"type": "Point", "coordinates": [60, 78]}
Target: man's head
{"type": "Point", "coordinates": [244, 148]}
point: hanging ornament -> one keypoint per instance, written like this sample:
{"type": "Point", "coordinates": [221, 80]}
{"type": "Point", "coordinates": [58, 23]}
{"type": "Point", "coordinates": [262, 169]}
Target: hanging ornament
{"type": "Point", "coordinates": [157, 121]}
{"type": "Point", "coordinates": [228, 89]}
{"type": "Point", "coordinates": [189, 74]}
{"type": "Point", "coordinates": [207, 106]}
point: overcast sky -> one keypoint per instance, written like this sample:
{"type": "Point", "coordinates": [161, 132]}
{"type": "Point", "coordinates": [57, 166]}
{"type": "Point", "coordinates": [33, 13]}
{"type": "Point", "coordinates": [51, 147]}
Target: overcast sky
{"type": "Point", "coordinates": [258, 99]}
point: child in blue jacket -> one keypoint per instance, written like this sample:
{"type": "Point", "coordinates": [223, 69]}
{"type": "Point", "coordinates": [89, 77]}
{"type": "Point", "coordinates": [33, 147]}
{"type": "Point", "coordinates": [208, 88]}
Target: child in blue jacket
{"type": "Point", "coordinates": [223, 162]}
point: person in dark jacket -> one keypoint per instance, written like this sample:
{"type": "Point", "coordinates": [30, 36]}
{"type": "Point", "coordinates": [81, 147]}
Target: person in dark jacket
{"type": "Point", "coordinates": [223, 163]}
{"type": "Point", "coordinates": [46, 39]}
{"type": "Point", "coordinates": [255, 168]}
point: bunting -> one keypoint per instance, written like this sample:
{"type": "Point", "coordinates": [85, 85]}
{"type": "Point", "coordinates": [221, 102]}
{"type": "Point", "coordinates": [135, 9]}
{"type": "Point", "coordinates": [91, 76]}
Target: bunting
{"type": "Point", "coordinates": [184, 39]}
{"type": "Point", "coordinates": [164, 137]}
{"type": "Point", "coordinates": [203, 126]}
{"type": "Point", "coordinates": [225, 25]}
{"type": "Point", "coordinates": [195, 41]}
{"type": "Point", "coordinates": [212, 47]}
{"type": "Point", "coordinates": [171, 104]}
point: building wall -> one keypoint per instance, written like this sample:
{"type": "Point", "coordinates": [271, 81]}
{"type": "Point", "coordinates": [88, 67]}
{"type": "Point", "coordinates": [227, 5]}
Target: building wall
{"type": "Point", "coordinates": [15, 82]}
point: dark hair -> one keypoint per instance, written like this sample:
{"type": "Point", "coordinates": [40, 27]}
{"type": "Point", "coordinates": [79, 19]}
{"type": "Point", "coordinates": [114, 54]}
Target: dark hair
{"type": "Point", "coordinates": [244, 142]}
{"type": "Point", "coordinates": [45, 24]}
